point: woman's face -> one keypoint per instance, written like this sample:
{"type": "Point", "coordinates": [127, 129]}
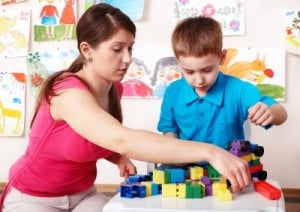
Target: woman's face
{"type": "Point", "coordinates": [111, 59]}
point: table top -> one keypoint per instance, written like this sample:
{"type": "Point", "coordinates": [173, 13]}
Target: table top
{"type": "Point", "coordinates": [247, 200]}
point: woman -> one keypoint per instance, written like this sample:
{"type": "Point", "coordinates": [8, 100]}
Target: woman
{"type": "Point", "coordinates": [78, 121]}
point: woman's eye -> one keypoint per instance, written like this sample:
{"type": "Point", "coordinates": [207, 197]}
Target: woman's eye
{"type": "Point", "coordinates": [117, 50]}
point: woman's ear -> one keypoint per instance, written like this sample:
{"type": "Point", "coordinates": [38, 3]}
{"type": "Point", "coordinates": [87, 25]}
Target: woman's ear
{"type": "Point", "coordinates": [85, 49]}
{"type": "Point", "coordinates": [223, 56]}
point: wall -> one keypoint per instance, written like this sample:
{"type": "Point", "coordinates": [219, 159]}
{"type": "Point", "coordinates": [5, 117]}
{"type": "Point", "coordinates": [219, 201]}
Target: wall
{"type": "Point", "coordinates": [264, 21]}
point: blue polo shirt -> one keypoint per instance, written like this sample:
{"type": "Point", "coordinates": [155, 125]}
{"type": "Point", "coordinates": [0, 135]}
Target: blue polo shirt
{"type": "Point", "coordinates": [216, 118]}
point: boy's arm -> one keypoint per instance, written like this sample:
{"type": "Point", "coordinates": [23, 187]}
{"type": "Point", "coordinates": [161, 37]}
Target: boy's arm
{"type": "Point", "coordinates": [279, 114]}
{"type": "Point", "coordinates": [264, 115]}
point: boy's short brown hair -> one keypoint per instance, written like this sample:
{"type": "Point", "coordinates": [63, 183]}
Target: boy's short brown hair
{"type": "Point", "coordinates": [197, 36]}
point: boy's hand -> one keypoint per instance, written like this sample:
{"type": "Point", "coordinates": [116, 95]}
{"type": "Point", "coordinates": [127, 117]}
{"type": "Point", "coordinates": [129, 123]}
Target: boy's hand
{"type": "Point", "coordinates": [260, 114]}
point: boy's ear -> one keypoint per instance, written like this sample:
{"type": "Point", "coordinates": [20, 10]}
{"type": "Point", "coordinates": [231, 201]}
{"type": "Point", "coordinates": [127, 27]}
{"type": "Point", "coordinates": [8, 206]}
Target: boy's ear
{"type": "Point", "coordinates": [223, 56]}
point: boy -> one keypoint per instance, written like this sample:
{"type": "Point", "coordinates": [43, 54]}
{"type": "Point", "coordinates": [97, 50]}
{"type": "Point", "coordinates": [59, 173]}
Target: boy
{"type": "Point", "coordinates": [207, 105]}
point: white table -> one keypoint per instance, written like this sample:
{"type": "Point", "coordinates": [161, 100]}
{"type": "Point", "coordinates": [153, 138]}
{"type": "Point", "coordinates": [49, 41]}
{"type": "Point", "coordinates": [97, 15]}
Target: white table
{"type": "Point", "coordinates": [247, 200]}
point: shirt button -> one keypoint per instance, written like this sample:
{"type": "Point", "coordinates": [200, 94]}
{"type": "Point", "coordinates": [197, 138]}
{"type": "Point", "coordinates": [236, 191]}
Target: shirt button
{"type": "Point", "coordinates": [201, 114]}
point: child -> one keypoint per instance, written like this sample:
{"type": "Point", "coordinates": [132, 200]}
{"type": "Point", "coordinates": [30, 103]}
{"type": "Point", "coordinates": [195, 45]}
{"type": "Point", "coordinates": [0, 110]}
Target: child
{"type": "Point", "coordinates": [206, 105]}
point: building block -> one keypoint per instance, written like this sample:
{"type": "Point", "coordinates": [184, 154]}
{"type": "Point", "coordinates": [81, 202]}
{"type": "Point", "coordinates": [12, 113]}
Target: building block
{"type": "Point", "coordinates": [177, 175]}
{"type": "Point", "coordinates": [202, 180]}
{"type": "Point", "coordinates": [267, 190]}
{"type": "Point", "coordinates": [169, 190]}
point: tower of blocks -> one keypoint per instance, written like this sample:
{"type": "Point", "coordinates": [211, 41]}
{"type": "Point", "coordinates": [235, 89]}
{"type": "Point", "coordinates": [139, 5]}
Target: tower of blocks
{"type": "Point", "coordinates": [200, 181]}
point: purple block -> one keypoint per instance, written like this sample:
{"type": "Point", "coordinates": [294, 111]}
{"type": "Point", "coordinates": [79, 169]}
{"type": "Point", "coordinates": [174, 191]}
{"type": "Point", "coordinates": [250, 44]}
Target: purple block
{"type": "Point", "coordinates": [206, 180]}
{"type": "Point", "coordinates": [208, 190]}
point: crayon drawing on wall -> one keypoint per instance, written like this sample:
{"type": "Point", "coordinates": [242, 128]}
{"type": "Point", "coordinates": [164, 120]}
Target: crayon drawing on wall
{"type": "Point", "coordinates": [54, 20]}
{"type": "Point", "coordinates": [14, 33]}
{"type": "Point", "coordinates": [12, 103]}
{"type": "Point", "coordinates": [264, 67]}
{"type": "Point", "coordinates": [142, 82]}
{"type": "Point", "coordinates": [41, 64]}
{"type": "Point", "coordinates": [6, 2]}
{"type": "Point", "coordinates": [230, 13]}
{"type": "Point", "coordinates": [292, 31]}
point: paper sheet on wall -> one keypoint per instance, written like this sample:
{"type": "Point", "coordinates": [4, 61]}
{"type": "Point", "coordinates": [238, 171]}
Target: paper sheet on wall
{"type": "Point", "coordinates": [12, 103]}
{"type": "Point", "coordinates": [292, 31]}
{"type": "Point", "coordinates": [14, 33]}
{"type": "Point", "coordinates": [229, 13]}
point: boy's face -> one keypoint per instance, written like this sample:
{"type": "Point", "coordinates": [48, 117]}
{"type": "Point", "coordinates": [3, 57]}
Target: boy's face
{"type": "Point", "coordinates": [201, 72]}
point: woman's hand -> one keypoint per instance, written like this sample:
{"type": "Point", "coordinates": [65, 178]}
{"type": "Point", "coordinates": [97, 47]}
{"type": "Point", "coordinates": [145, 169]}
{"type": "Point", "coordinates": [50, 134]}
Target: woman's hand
{"type": "Point", "coordinates": [125, 165]}
{"type": "Point", "coordinates": [232, 168]}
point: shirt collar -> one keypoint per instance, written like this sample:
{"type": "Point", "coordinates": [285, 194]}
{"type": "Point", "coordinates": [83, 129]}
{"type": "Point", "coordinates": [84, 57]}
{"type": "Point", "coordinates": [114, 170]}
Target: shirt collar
{"type": "Point", "coordinates": [215, 94]}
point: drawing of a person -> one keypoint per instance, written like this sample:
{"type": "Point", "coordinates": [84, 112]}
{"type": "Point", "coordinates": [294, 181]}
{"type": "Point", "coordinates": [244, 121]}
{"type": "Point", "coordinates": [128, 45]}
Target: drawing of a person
{"type": "Point", "coordinates": [68, 19]}
{"type": "Point", "coordinates": [49, 15]}
{"type": "Point", "coordinates": [166, 71]}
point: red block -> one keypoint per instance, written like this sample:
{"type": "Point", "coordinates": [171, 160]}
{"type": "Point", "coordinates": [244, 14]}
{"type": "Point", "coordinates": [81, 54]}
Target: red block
{"type": "Point", "coordinates": [267, 190]}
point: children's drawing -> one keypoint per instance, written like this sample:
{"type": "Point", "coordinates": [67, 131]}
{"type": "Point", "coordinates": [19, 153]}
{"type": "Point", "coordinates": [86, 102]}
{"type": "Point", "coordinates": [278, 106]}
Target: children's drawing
{"type": "Point", "coordinates": [133, 85]}
{"type": "Point", "coordinates": [166, 71]}
{"type": "Point", "coordinates": [265, 68]}
{"type": "Point", "coordinates": [12, 103]}
{"type": "Point", "coordinates": [14, 33]}
{"type": "Point", "coordinates": [67, 19]}
{"type": "Point", "coordinates": [6, 2]}
{"type": "Point", "coordinates": [41, 64]}
{"type": "Point", "coordinates": [292, 31]}
{"type": "Point", "coordinates": [133, 8]}
{"type": "Point", "coordinates": [230, 13]}
{"type": "Point", "coordinates": [54, 20]}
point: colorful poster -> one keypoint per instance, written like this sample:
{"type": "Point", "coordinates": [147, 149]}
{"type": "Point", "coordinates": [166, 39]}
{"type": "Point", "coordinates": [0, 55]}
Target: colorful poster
{"type": "Point", "coordinates": [292, 31]}
{"type": "Point", "coordinates": [264, 67]}
{"type": "Point", "coordinates": [14, 33]}
{"type": "Point", "coordinates": [230, 13]}
{"type": "Point", "coordinates": [54, 20]}
{"type": "Point", "coordinates": [12, 103]}
{"type": "Point", "coordinates": [41, 64]}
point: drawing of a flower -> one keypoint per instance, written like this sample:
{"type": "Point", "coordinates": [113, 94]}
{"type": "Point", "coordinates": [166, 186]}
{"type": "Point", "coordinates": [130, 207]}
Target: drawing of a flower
{"type": "Point", "coordinates": [234, 25]}
{"type": "Point", "coordinates": [208, 10]}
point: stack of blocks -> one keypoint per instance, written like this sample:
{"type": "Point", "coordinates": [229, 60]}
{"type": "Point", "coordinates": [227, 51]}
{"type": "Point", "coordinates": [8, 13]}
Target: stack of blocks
{"type": "Point", "coordinates": [198, 181]}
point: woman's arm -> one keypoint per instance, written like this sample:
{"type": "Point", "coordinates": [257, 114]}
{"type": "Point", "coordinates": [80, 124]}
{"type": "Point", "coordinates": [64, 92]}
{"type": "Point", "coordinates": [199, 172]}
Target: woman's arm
{"type": "Point", "coordinates": [81, 111]}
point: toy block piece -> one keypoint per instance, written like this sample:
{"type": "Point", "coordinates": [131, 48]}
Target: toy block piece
{"type": "Point", "coordinates": [177, 175]}
{"type": "Point", "coordinates": [215, 188]}
{"type": "Point", "coordinates": [155, 189]}
{"type": "Point", "coordinates": [225, 195]}
{"type": "Point", "coordinates": [255, 169]}
{"type": "Point", "coordinates": [169, 190]}
{"type": "Point", "coordinates": [239, 147]}
{"type": "Point", "coordinates": [257, 150]}
{"type": "Point", "coordinates": [246, 157]}
{"type": "Point", "coordinates": [212, 172]}
{"type": "Point", "coordinates": [131, 191]}
{"type": "Point", "coordinates": [255, 162]}
{"type": "Point", "coordinates": [196, 172]}
{"type": "Point", "coordinates": [253, 156]}
{"type": "Point", "coordinates": [148, 188]}
{"type": "Point", "coordinates": [181, 190]}
{"type": "Point", "coordinates": [161, 176]}
{"type": "Point", "coordinates": [206, 180]}
{"type": "Point", "coordinates": [267, 190]}
{"type": "Point", "coordinates": [197, 190]}
{"type": "Point", "coordinates": [208, 190]}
